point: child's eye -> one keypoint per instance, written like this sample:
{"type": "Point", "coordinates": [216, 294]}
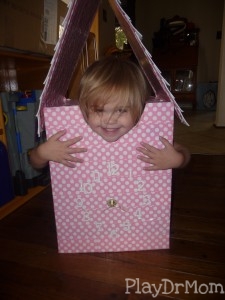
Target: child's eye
{"type": "Point", "coordinates": [122, 110]}
{"type": "Point", "coordinates": [99, 110]}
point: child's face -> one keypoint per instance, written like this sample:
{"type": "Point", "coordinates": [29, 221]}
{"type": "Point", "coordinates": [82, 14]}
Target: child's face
{"type": "Point", "coordinates": [111, 121]}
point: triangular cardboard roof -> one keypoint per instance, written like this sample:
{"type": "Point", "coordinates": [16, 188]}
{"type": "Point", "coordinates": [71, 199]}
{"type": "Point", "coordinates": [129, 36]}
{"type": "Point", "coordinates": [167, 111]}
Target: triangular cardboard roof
{"type": "Point", "coordinates": [77, 25]}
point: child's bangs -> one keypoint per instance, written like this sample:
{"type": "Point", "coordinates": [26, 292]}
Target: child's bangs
{"type": "Point", "coordinates": [116, 94]}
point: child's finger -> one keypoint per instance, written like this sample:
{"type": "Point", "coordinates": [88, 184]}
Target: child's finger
{"type": "Point", "coordinates": [76, 150]}
{"type": "Point", "coordinates": [165, 142]}
{"type": "Point", "coordinates": [68, 164]}
{"type": "Point", "coordinates": [151, 168]}
{"type": "Point", "coordinates": [73, 159]}
{"type": "Point", "coordinates": [58, 135]}
{"type": "Point", "coordinates": [148, 160]}
{"type": "Point", "coordinates": [145, 152]}
{"type": "Point", "coordinates": [148, 147]}
{"type": "Point", "coordinates": [73, 141]}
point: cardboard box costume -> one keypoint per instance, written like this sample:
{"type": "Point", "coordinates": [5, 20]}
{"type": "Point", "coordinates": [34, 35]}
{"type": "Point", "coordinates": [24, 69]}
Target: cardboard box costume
{"type": "Point", "coordinates": [109, 203]}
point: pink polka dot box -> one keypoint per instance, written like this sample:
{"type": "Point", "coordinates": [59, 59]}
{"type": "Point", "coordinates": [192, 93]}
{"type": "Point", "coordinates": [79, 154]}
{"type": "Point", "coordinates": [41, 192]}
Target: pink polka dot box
{"type": "Point", "coordinates": [109, 203]}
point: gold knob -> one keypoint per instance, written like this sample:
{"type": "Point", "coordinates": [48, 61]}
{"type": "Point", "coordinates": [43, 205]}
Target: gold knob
{"type": "Point", "coordinates": [111, 203]}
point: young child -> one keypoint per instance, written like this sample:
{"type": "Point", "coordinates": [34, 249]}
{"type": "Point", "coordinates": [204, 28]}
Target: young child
{"type": "Point", "coordinates": [112, 96]}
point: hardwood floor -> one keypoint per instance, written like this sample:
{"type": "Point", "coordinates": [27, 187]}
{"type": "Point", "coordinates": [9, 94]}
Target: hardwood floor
{"type": "Point", "coordinates": [31, 268]}
{"type": "Point", "coordinates": [201, 137]}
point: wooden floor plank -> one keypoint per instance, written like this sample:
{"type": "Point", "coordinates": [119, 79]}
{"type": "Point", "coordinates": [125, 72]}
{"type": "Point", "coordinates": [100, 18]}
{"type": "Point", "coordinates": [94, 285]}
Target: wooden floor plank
{"type": "Point", "coordinates": [32, 268]}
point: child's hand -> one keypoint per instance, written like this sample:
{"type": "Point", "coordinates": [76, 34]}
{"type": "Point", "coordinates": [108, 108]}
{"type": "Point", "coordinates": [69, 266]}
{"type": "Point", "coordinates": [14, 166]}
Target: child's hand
{"type": "Point", "coordinates": [161, 159]}
{"type": "Point", "coordinates": [59, 151]}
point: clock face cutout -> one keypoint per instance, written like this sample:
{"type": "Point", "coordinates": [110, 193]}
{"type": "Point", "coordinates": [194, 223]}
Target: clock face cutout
{"type": "Point", "coordinates": [109, 203]}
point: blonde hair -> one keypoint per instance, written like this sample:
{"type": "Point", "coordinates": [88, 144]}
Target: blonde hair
{"type": "Point", "coordinates": [113, 79]}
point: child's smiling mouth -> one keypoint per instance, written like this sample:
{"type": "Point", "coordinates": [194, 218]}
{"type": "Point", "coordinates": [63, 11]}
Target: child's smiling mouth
{"type": "Point", "coordinates": [110, 134]}
{"type": "Point", "coordinates": [110, 129]}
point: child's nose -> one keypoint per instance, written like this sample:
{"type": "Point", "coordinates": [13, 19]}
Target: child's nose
{"type": "Point", "coordinates": [109, 118]}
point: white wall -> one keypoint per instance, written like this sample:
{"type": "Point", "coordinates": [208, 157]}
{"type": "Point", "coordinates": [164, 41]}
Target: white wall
{"type": "Point", "coordinates": [220, 109]}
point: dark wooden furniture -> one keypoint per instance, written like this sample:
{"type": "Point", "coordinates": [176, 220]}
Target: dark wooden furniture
{"type": "Point", "coordinates": [31, 268]}
{"type": "Point", "coordinates": [22, 70]}
{"type": "Point", "coordinates": [178, 64]}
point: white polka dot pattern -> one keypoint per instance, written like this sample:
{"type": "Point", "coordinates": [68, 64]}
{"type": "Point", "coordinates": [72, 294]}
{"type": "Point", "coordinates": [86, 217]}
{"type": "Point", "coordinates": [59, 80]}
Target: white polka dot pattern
{"type": "Point", "coordinates": [109, 203]}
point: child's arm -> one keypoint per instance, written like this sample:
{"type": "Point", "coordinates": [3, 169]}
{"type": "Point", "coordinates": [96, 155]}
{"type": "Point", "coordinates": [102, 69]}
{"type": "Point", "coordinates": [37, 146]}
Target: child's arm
{"type": "Point", "coordinates": [55, 150]}
{"type": "Point", "coordinates": [170, 157]}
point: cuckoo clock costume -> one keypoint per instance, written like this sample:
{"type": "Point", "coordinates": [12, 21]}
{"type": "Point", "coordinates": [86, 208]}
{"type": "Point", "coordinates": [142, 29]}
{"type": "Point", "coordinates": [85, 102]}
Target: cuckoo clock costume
{"type": "Point", "coordinates": [108, 203]}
